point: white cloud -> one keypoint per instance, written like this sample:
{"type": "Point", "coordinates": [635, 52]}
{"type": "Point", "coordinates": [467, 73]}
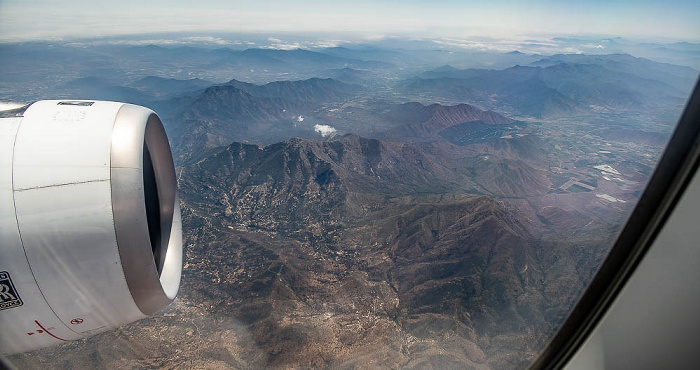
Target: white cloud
{"type": "Point", "coordinates": [325, 130]}
{"type": "Point", "coordinates": [593, 46]}
{"type": "Point", "coordinates": [328, 43]}
{"type": "Point", "coordinates": [210, 40]}
{"type": "Point", "coordinates": [283, 46]}
{"type": "Point", "coordinates": [545, 45]}
{"type": "Point", "coordinates": [192, 40]}
{"type": "Point", "coordinates": [293, 45]}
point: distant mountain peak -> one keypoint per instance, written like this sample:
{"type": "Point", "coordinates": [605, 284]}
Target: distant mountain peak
{"type": "Point", "coordinates": [423, 123]}
{"type": "Point", "coordinates": [446, 68]}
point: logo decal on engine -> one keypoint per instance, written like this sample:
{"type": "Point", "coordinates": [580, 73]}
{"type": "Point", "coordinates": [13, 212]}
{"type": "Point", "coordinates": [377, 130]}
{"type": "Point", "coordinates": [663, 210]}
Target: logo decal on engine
{"type": "Point", "coordinates": [8, 294]}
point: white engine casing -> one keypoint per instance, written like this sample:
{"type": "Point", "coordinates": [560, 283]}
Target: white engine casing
{"type": "Point", "coordinates": [90, 227]}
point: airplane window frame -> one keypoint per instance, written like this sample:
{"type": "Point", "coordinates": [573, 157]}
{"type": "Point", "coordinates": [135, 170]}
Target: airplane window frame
{"type": "Point", "coordinates": [673, 173]}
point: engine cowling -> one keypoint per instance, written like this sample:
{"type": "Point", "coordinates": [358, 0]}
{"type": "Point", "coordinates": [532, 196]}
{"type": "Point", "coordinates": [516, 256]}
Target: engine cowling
{"type": "Point", "coordinates": [90, 226]}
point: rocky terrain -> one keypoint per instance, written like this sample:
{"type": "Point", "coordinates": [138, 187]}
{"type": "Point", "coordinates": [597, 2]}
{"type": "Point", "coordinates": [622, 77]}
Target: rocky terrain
{"type": "Point", "coordinates": [335, 225]}
{"type": "Point", "coordinates": [354, 253]}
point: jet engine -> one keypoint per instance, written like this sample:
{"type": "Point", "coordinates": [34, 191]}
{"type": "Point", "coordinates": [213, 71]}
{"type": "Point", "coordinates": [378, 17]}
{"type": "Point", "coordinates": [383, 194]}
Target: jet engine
{"type": "Point", "coordinates": [90, 229]}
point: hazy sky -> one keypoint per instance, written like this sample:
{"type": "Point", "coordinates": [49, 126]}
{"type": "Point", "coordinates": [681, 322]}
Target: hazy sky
{"type": "Point", "coordinates": [45, 19]}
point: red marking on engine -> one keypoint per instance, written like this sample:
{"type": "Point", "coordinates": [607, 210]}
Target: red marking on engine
{"type": "Point", "coordinates": [48, 332]}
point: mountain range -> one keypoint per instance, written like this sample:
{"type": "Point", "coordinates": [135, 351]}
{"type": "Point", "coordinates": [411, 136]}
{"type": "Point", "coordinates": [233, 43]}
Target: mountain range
{"type": "Point", "coordinates": [361, 206]}
{"type": "Point", "coordinates": [400, 248]}
{"type": "Point", "coordinates": [356, 252]}
{"type": "Point", "coordinates": [420, 123]}
{"type": "Point", "coordinates": [262, 114]}
{"type": "Point", "coordinates": [247, 112]}
{"type": "Point", "coordinates": [562, 85]}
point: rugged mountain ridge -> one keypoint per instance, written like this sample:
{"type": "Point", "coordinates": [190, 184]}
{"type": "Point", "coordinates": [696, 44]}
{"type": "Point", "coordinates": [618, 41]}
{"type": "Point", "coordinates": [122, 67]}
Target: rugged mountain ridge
{"type": "Point", "coordinates": [412, 263]}
{"type": "Point", "coordinates": [298, 179]}
{"type": "Point", "coordinates": [421, 123]}
{"type": "Point", "coordinates": [239, 111]}
{"type": "Point", "coordinates": [352, 253]}
{"type": "Point", "coordinates": [313, 90]}
{"type": "Point", "coordinates": [234, 104]}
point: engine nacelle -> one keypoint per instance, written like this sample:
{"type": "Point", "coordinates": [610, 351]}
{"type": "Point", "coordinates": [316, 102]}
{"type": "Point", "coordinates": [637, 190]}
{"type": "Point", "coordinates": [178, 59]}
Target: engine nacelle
{"type": "Point", "coordinates": [90, 229]}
